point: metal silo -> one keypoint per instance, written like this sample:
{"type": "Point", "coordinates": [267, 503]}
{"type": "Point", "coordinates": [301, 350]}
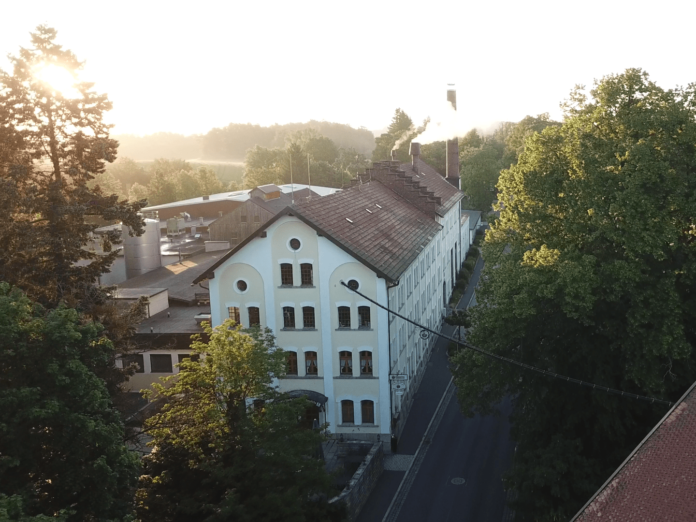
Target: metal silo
{"type": "Point", "coordinates": [142, 254]}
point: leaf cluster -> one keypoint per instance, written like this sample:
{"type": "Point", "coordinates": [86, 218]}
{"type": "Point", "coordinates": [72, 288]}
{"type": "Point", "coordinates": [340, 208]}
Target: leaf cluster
{"type": "Point", "coordinates": [590, 274]}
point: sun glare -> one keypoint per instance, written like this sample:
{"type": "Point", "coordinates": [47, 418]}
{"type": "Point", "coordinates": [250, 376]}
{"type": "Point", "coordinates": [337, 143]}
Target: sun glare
{"type": "Point", "coordinates": [59, 79]}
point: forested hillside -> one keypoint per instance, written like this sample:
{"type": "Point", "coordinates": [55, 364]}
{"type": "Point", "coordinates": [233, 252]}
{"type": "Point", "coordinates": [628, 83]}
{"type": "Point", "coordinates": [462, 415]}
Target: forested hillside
{"type": "Point", "coordinates": [231, 143]}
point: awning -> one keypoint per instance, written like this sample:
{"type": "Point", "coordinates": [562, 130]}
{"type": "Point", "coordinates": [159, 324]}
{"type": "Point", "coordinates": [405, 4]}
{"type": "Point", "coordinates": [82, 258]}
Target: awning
{"type": "Point", "coordinates": [311, 395]}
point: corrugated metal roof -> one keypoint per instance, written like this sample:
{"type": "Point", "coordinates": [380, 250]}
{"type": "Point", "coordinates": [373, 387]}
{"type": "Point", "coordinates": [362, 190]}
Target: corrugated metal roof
{"type": "Point", "coordinates": [658, 480]}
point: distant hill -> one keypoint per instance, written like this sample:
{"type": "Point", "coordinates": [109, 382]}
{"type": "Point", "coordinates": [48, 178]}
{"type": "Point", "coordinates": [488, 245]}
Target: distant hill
{"type": "Point", "coordinates": [231, 143]}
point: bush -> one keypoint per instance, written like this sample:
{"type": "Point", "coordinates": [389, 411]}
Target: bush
{"type": "Point", "coordinates": [469, 264]}
{"type": "Point", "coordinates": [473, 253]}
{"type": "Point", "coordinates": [464, 273]}
{"type": "Point", "coordinates": [478, 240]}
{"type": "Point", "coordinates": [456, 296]}
{"type": "Point", "coordinates": [462, 282]}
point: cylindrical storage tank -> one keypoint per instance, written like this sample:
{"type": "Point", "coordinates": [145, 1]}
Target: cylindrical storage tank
{"type": "Point", "coordinates": [142, 254]}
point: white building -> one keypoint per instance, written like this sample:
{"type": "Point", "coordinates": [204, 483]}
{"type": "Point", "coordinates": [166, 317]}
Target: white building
{"type": "Point", "coordinates": [394, 236]}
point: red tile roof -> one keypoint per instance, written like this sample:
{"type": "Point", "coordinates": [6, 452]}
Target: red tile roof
{"type": "Point", "coordinates": [658, 480]}
{"type": "Point", "coordinates": [389, 238]}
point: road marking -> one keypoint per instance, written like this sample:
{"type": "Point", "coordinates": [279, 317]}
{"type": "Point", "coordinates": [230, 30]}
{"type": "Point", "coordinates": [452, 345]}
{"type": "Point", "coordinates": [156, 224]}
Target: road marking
{"type": "Point", "coordinates": [402, 493]}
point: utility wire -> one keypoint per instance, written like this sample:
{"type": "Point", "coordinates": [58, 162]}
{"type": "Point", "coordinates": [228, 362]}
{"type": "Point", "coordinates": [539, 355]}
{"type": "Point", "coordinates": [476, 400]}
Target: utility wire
{"type": "Point", "coordinates": [517, 363]}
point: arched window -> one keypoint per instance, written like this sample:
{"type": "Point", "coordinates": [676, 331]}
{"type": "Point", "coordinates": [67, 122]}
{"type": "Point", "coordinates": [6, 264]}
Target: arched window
{"type": "Point", "coordinates": [311, 367]}
{"type": "Point", "coordinates": [367, 408]}
{"type": "Point", "coordinates": [308, 317]}
{"type": "Point", "coordinates": [347, 412]}
{"type": "Point", "coordinates": [344, 316]}
{"type": "Point", "coordinates": [365, 363]}
{"type": "Point", "coordinates": [306, 274]}
{"type": "Point", "coordinates": [346, 363]}
{"type": "Point", "coordinates": [292, 363]}
{"type": "Point", "coordinates": [254, 316]}
{"type": "Point", "coordinates": [286, 274]}
{"type": "Point", "coordinates": [288, 317]}
{"type": "Point", "coordinates": [364, 317]}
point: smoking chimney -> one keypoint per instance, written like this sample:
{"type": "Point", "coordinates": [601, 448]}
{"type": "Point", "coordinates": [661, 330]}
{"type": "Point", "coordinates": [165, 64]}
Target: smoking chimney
{"type": "Point", "coordinates": [452, 155]}
{"type": "Point", "coordinates": [393, 155]}
{"type": "Point", "coordinates": [414, 151]}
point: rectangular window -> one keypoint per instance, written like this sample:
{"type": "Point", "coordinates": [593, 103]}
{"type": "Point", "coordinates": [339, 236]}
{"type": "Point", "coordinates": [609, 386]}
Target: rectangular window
{"type": "Point", "coordinates": [308, 317]}
{"type": "Point", "coordinates": [234, 314]}
{"type": "Point", "coordinates": [346, 363]}
{"type": "Point", "coordinates": [311, 367]}
{"type": "Point", "coordinates": [243, 218]}
{"type": "Point", "coordinates": [347, 413]}
{"type": "Point", "coordinates": [160, 363]}
{"type": "Point", "coordinates": [292, 363]}
{"type": "Point", "coordinates": [257, 219]}
{"type": "Point", "coordinates": [234, 235]}
{"type": "Point", "coordinates": [136, 358]}
{"type": "Point", "coordinates": [364, 317]}
{"type": "Point", "coordinates": [368, 412]}
{"type": "Point", "coordinates": [286, 274]}
{"type": "Point", "coordinates": [193, 357]}
{"type": "Point", "coordinates": [306, 274]}
{"type": "Point", "coordinates": [344, 317]}
{"type": "Point", "coordinates": [254, 316]}
{"type": "Point", "coordinates": [288, 317]}
{"type": "Point", "coordinates": [365, 363]}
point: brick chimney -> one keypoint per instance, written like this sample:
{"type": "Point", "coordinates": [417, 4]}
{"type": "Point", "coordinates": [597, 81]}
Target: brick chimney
{"type": "Point", "coordinates": [393, 155]}
{"type": "Point", "coordinates": [452, 155]}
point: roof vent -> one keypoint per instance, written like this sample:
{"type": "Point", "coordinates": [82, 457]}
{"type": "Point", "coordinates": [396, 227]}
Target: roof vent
{"type": "Point", "coordinates": [206, 198]}
{"type": "Point", "coordinates": [349, 220]}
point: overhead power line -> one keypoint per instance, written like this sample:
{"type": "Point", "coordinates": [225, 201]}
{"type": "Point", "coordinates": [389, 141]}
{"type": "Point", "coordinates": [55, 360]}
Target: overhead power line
{"type": "Point", "coordinates": [514, 362]}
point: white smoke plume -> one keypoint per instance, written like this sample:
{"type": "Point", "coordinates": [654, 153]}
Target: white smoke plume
{"type": "Point", "coordinates": [404, 136]}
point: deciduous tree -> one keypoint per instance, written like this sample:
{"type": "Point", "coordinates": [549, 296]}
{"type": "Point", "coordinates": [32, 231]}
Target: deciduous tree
{"type": "Point", "coordinates": [60, 438]}
{"type": "Point", "coordinates": [227, 446]}
{"type": "Point", "coordinates": [595, 266]}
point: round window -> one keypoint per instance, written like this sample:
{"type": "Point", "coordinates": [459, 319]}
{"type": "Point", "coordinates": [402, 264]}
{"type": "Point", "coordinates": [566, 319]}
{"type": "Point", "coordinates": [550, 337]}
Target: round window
{"type": "Point", "coordinates": [353, 284]}
{"type": "Point", "coordinates": [295, 243]}
{"type": "Point", "coordinates": [241, 285]}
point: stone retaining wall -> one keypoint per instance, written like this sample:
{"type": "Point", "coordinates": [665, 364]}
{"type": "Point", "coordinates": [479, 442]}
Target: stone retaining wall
{"type": "Point", "coordinates": [364, 479]}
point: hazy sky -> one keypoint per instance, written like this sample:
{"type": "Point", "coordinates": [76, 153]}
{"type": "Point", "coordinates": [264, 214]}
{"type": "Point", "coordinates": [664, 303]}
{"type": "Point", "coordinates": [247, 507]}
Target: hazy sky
{"type": "Point", "coordinates": [189, 66]}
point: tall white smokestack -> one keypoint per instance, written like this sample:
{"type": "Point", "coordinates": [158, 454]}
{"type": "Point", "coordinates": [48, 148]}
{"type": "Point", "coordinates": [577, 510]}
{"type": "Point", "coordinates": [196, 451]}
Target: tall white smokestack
{"type": "Point", "coordinates": [452, 156]}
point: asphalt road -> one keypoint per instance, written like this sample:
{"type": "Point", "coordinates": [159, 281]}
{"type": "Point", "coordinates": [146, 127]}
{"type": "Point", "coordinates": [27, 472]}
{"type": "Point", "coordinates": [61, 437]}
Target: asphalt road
{"type": "Point", "coordinates": [477, 450]}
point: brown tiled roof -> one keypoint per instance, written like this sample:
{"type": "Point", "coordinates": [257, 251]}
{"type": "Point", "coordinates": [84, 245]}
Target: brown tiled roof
{"type": "Point", "coordinates": [658, 480]}
{"type": "Point", "coordinates": [387, 238]}
{"type": "Point", "coordinates": [434, 182]}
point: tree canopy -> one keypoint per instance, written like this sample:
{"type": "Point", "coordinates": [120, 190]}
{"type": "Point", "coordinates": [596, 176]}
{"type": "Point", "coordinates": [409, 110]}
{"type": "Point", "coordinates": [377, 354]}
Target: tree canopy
{"type": "Point", "coordinates": [62, 441]}
{"type": "Point", "coordinates": [227, 446]}
{"type": "Point", "coordinates": [591, 275]}
{"type": "Point", "coordinates": [54, 144]}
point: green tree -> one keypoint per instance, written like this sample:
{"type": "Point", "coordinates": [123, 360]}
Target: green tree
{"type": "Point", "coordinates": [208, 181]}
{"type": "Point", "coordinates": [459, 318]}
{"type": "Point", "coordinates": [128, 172]}
{"type": "Point", "coordinates": [107, 183]}
{"type": "Point", "coordinates": [187, 186]}
{"type": "Point", "coordinates": [593, 275]}
{"type": "Point", "coordinates": [435, 155]}
{"type": "Point", "coordinates": [480, 168]}
{"type": "Point", "coordinates": [61, 439]}
{"type": "Point", "coordinates": [218, 457]}
{"type": "Point", "coordinates": [137, 192]}
{"type": "Point", "coordinates": [162, 188]}
{"type": "Point", "coordinates": [264, 166]}
{"type": "Point", "coordinates": [518, 134]}
{"type": "Point", "coordinates": [401, 130]}
{"type": "Point", "coordinates": [53, 145]}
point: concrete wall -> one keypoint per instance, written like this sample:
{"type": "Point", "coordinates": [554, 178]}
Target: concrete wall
{"type": "Point", "coordinates": [364, 479]}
